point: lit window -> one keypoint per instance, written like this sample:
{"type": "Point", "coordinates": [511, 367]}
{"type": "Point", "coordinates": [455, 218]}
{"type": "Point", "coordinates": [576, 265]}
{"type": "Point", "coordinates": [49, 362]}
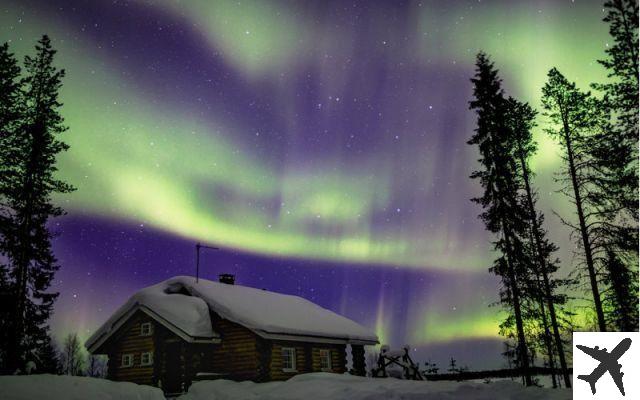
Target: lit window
{"type": "Point", "coordinates": [145, 329]}
{"type": "Point", "coordinates": [288, 359]}
{"type": "Point", "coordinates": [325, 360]}
{"type": "Point", "coordinates": [146, 359]}
{"type": "Point", "coordinates": [127, 360]}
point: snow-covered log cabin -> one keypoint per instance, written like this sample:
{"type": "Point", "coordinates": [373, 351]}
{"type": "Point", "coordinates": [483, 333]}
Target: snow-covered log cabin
{"type": "Point", "coordinates": [178, 331]}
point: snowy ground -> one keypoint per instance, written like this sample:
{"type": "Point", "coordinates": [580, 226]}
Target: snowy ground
{"type": "Point", "coordinates": [54, 387]}
{"type": "Point", "coordinates": [317, 386]}
{"type": "Point", "coordinates": [324, 386]}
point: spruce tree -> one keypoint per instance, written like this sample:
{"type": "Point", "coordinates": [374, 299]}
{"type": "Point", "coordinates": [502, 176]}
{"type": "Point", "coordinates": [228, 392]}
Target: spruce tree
{"type": "Point", "coordinates": [574, 118]}
{"type": "Point", "coordinates": [521, 120]}
{"type": "Point", "coordinates": [615, 151]}
{"type": "Point", "coordinates": [501, 214]}
{"type": "Point", "coordinates": [9, 121]}
{"type": "Point", "coordinates": [27, 241]}
{"type": "Point", "coordinates": [48, 357]}
{"type": "Point", "coordinates": [621, 100]}
{"type": "Point", "coordinates": [622, 294]}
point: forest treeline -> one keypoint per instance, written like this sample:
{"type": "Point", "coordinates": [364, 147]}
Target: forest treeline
{"type": "Point", "coordinates": [597, 132]}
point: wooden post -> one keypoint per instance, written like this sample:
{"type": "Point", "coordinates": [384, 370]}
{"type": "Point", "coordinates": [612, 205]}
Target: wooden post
{"type": "Point", "coordinates": [359, 365]}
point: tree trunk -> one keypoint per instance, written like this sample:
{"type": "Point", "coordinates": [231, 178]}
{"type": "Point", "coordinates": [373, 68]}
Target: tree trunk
{"type": "Point", "coordinates": [545, 275]}
{"type": "Point", "coordinates": [515, 294]}
{"type": "Point", "coordinates": [583, 229]}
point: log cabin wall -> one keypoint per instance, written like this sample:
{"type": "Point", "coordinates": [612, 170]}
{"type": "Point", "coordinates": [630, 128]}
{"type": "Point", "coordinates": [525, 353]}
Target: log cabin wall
{"type": "Point", "coordinates": [307, 358]}
{"type": "Point", "coordinates": [241, 355]}
{"type": "Point", "coordinates": [237, 354]}
{"type": "Point", "coordinates": [129, 340]}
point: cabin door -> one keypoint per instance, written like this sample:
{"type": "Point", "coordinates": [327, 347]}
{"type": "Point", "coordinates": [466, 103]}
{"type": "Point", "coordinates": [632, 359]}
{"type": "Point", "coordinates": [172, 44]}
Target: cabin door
{"type": "Point", "coordinates": [173, 366]}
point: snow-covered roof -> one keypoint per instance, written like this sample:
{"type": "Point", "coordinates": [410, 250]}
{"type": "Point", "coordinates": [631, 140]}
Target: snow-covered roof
{"type": "Point", "coordinates": [184, 305]}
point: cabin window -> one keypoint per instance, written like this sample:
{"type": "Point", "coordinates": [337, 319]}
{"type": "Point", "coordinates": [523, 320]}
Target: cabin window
{"type": "Point", "coordinates": [146, 359]}
{"type": "Point", "coordinates": [127, 360]}
{"type": "Point", "coordinates": [145, 329]}
{"type": "Point", "coordinates": [325, 360]}
{"type": "Point", "coordinates": [289, 359]}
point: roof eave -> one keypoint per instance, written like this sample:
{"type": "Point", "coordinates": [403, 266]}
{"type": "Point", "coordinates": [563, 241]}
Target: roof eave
{"type": "Point", "coordinates": [94, 345]}
{"type": "Point", "coordinates": [314, 338]}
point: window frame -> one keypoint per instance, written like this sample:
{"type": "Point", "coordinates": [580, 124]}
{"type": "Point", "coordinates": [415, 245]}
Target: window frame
{"type": "Point", "coordinates": [150, 362]}
{"type": "Point", "coordinates": [292, 352]}
{"type": "Point", "coordinates": [127, 356]}
{"type": "Point", "coordinates": [326, 355]}
{"type": "Point", "coordinates": [142, 330]}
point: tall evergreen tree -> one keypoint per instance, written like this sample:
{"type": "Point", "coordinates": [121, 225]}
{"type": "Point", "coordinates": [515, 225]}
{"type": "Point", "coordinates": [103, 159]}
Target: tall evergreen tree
{"type": "Point", "coordinates": [27, 241]}
{"type": "Point", "coordinates": [501, 212]}
{"type": "Point", "coordinates": [621, 100]}
{"type": "Point", "coordinates": [48, 357]}
{"type": "Point", "coordinates": [574, 118]}
{"type": "Point", "coordinates": [622, 294]}
{"type": "Point", "coordinates": [615, 178]}
{"type": "Point", "coordinates": [9, 121]}
{"type": "Point", "coordinates": [521, 120]}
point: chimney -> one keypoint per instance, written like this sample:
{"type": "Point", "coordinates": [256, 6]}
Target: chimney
{"type": "Point", "coordinates": [229, 279]}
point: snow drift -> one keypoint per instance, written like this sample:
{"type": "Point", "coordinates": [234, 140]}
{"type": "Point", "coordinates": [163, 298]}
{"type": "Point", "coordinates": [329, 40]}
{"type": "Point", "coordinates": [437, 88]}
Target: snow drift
{"type": "Point", "coordinates": [316, 386]}
{"type": "Point", "coordinates": [325, 386]}
{"type": "Point", "coordinates": [54, 387]}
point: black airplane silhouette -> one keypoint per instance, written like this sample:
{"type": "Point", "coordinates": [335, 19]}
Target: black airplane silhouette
{"type": "Point", "coordinates": [608, 362]}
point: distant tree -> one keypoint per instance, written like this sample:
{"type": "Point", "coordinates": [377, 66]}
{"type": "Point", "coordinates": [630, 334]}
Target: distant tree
{"type": "Point", "coordinates": [72, 357]}
{"type": "Point", "coordinates": [509, 354]}
{"type": "Point", "coordinates": [27, 192]}
{"type": "Point", "coordinates": [96, 366]}
{"type": "Point", "coordinates": [502, 212]}
{"type": "Point", "coordinates": [574, 118]}
{"type": "Point", "coordinates": [431, 368]}
{"type": "Point", "coordinates": [48, 358]}
{"type": "Point", "coordinates": [452, 366]}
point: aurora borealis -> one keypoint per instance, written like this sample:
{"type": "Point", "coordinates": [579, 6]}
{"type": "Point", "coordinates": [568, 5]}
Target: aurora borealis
{"type": "Point", "coordinates": [321, 145]}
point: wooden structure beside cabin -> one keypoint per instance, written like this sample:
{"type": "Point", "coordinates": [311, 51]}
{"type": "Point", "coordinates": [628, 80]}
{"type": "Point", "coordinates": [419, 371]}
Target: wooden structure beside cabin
{"type": "Point", "coordinates": [145, 348]}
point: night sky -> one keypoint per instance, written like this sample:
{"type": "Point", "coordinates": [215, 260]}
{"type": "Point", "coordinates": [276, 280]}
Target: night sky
{"type": "Point", "coordinates": [321, 145]}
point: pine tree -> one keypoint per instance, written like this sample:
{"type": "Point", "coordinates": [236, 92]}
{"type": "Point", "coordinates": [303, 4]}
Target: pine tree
{"type": "Point", "coordinates": [501, 214]}
{"type": "Point", "coordinates": [521, 118]}
{"type": "Point", "coordinates": [621, 100]}
{"type": "Point", "coordinates": [615, 150]}
{"type": "Point", "coordinates": [27, 241]}
{"type": "Point", "coordinates": [9, 121]}
{"type": "Point", "coordinates": [48, 357]}
{"type": "Point", "coordinates": [622, 295]}
{"type": "Point", "coordinates": [574, 119]}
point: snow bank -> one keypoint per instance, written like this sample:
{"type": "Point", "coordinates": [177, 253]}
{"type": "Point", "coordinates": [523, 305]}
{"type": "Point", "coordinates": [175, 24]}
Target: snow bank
{"type": "Point", "coordinates": [53, 387]}
{"type": "Point", "coordinates": [325, 386]}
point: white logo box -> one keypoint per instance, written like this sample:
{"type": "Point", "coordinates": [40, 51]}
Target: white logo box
{"type": "Point", "coordinates": [585, 365]}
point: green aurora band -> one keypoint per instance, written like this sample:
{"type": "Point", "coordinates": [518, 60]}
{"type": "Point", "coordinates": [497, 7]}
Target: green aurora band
{"type": "Point", "coordinates": [144, 162]}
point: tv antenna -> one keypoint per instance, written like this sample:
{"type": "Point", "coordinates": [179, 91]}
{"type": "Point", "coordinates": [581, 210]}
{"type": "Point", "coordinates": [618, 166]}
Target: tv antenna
{"type": "Point", "coordinates": [198, 247]}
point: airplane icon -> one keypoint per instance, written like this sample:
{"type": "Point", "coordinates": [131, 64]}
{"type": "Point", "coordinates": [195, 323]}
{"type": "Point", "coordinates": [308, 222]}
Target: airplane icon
{"type": "Point", "coordinates": [608, 362]}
